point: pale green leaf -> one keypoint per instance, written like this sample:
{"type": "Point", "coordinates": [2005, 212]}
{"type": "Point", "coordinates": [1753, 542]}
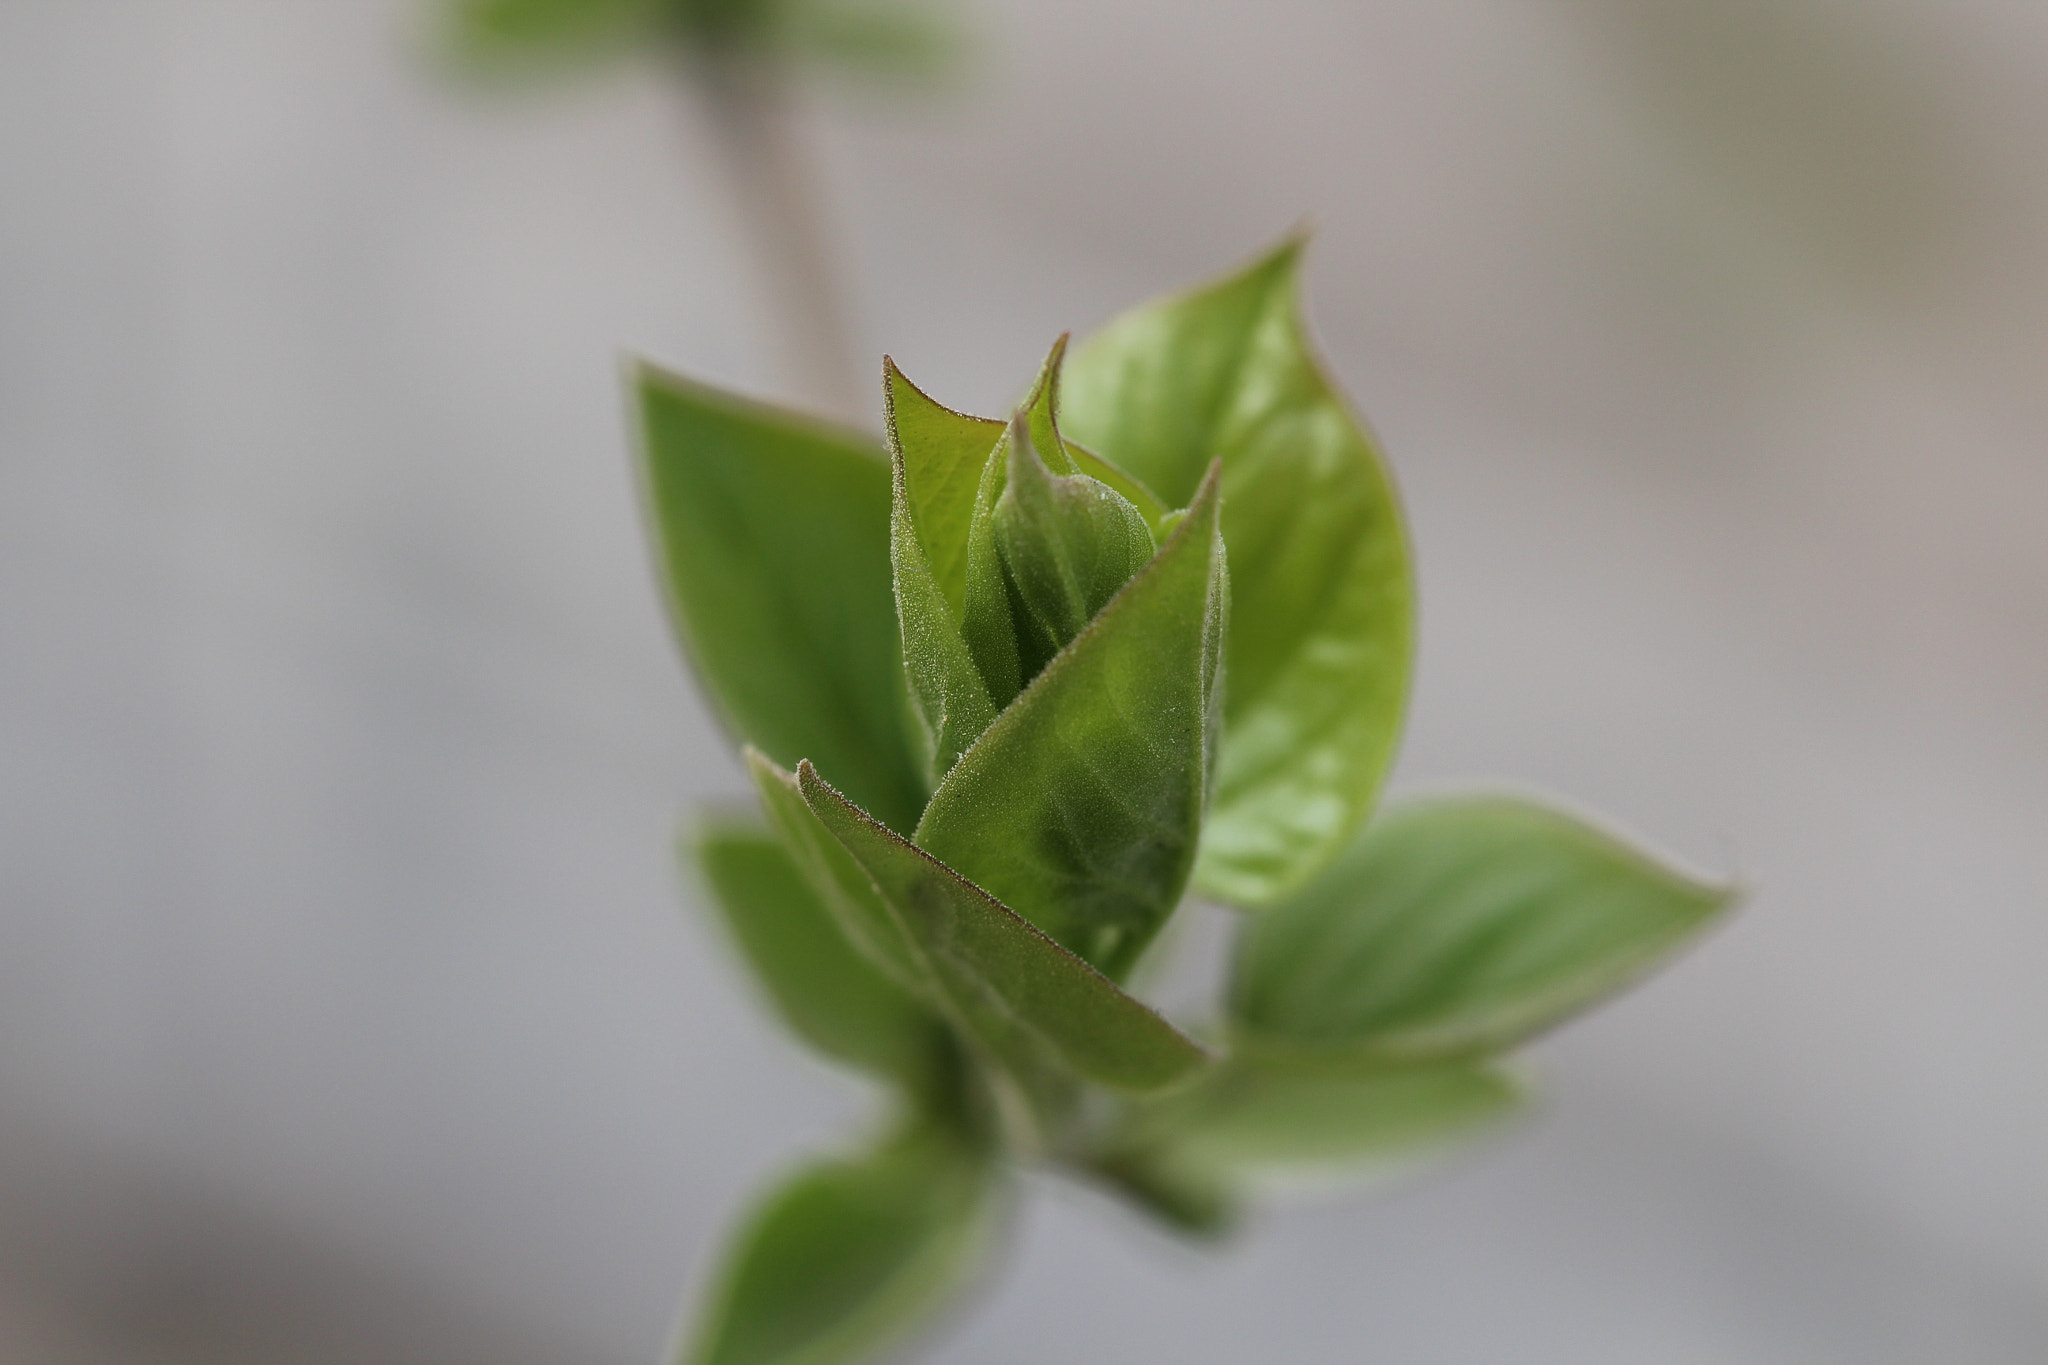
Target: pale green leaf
{"type": "Point", "coordinates": [1321, 633]}
{"type": "Point", "coordinates": [1032, 1004]}
{"type": "Point", "coordinates": [1461, 925]}
{"type": "Point", "coordinates": [773, 534]}
{"type": "Point", "coordinates": [825, 989]}
{"type": "Point", "coordinates": [1081, 806]}
{"type": "Point", "coordinates": [851, 1255]}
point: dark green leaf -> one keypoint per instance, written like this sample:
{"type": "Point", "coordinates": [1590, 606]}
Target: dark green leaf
{"type": "Point", "coordinates": [851, 1255]}
{"type": "Point", "coordinates": [774, 538]}
{"type": "Point", "coordinates": [1461, 925]}
{"type": "Point", "coordinates": [1033, 1005]}
{"type": "Point", "coordinates": [1067, 543]}
{"type": "Point", "coordinates": [1321, 634]}
{"type": "Point", "coordinates": [1080, 807]}
{"type": "Point", "coordinates": [831, 994]}
{"type": "Point", "coordinates": [986, 622]}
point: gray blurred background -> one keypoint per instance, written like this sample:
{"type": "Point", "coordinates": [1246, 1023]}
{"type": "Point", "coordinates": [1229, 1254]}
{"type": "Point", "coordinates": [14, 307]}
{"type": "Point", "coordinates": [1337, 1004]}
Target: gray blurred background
{"type": "Point", "coordinates": [351, 1005]}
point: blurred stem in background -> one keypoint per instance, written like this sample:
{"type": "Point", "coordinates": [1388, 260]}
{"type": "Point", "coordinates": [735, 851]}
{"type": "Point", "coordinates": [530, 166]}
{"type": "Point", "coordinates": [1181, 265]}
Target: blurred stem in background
{"type": "Point", "coordinates": [780, 201]}
{"type": "Point", "coordinates": [746, 63]}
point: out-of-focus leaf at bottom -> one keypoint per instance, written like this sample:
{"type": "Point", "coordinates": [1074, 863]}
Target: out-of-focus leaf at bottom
{"type": "Point", "coordinates": [851, 1255]}
{"type": "Point", "coordinates": [825, 989]}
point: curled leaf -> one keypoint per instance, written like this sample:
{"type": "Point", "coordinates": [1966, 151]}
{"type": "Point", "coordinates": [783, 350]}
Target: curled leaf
{"type": "Point", "coordinates": [1068, 542]}
{"type": "Point", "coordinates": [1081, 805]}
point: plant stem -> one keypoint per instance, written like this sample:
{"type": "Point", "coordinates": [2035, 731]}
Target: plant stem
{"type": "Point", "coordinates": [747, 100]}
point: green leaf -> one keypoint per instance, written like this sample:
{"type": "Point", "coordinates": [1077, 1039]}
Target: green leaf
{"type": "Point", "coordinates": [774, 535]}
{"type": "Point", "coordinates": [1321, 632]}
{"type": "Point", "coordinates": [825, 989]}
{"type": "Point", "coordinates": [1067, 543]}
{"type": "Point", "coordinates": [939, 458]}
{"type": "Point", "coordinates": [1080, 807]}
{"type": "Point", "coordinates": [1033, 1005]}
{"type": "Point", "coordinates": [1461, 925]}
{"type": "Point", "coordinates": [850, 1255]}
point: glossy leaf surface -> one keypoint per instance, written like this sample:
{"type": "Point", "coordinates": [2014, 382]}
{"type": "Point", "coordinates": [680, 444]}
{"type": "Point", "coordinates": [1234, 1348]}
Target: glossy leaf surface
{"type": "Point", "coordinates": [825, 989]}
{"type": "Point", "coordinates": [773, 534]}
{"type": "Point", "coordinates": [1081, 806]}
{"type": "Point", "coordinates": [1458, 925]}
{"type": "Point", "coordinates": [851, 1255]}
{"type": "Point", "coordinates": [1032, 1004]}
{"type": "Point", "coordinates": [1321, 632]}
